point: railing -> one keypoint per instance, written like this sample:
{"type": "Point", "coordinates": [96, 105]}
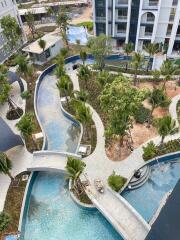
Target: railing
{"type": "Point", "coordinates": [100, 18]}
{"type": "Point", "coordinates": [150, 5]}
{"type": "Point", "coordinates": [121, 2]}
{"type": "Point", "coordinates": [121, 18]}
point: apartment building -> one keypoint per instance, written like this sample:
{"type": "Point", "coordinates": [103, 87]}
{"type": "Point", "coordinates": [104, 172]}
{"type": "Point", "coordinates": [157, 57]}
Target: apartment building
{"type": "Point", "coordinates": [7, 7]}
{"type": "Point", "coordinates": [140, 22]}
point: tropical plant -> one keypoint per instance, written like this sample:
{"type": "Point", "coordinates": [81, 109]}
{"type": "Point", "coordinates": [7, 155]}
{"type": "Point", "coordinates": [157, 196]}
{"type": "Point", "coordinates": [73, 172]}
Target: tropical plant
{"type": "Point", "coordinates": [151, 49]}
{"type": "Point", "coordinates": [167, 69]}
{"type": "Point", "coordinates": [100, 47]}
{"type": "Point", "coordinates": [156, 76]}
{"type": "Point", "coordinates": [5, 220]}
{"type": "Point", "coordinates": [128, 49]}
{"type": "Point", "coordinates": [42, 44]}
{"type": "Point", "coordinates": [22, 63]}
{"type": "Point", "coordinates": [149, 151]}
{"type": "Point", "coordinates": [141, 115]}
{"type": "Point", "coordinates": [137, 62]}
{"type": "Point", "coordinates": [29, 17]}
{"type": "Point", "coordinates": [103, 77]}
{"type": "Point", "coordinates": [165, 126]}
{"type": "Point", "coordinates": [65, 86]}
{"type": "Point", "coordinates": [116, 182]}
{"type": "Point", "coordinates": [5, 165]}
{"type": "Point", "coordinates": [62, 20]}
{"type": "Point", "coordinates": [83, 56]}
{"type": "Point", "coordinates": [84, 74]}
{"type": "Point", "coordinates": [81, 95]}
{"type": "Point", "coordinates": [11, 31]}
{"type": "Point", "coordinates": [64, 52]}
{"type": "Point", "coordinates": [157, 98]}
{"type": "Point", "coordinates": [26, 125]}
{"type": "Point", "coordinates": [74, 168]}
{"type": "Point", "coordinates": [25, 95]}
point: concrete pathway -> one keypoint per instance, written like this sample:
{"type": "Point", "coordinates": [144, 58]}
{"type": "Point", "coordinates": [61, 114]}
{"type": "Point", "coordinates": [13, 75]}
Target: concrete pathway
{"type": "Point", "coordinates": [120, 214]}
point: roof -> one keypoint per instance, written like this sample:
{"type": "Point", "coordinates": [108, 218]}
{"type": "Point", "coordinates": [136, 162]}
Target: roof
{"type": "Point", "coordinates": [62, 3]}
{"type": "Point", "coordinates": [32, 10]}
{"type": "Point", "coordinates": [50, 40]}
{"type": "Point", "coordinates": [166, 226]}
{"type": "Point", "coordinates": [9, 139]}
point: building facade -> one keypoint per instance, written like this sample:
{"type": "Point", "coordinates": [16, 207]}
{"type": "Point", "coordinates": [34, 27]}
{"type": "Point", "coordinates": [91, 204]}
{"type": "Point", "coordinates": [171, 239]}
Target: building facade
{"type": "Point", "coordinates": [7, 7]}
{"type": "Point", "coordinates": [140, 22]}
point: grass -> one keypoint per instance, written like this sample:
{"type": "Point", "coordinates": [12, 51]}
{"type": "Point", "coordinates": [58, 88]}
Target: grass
{"type": "Point", "coordinates": [13, 203]}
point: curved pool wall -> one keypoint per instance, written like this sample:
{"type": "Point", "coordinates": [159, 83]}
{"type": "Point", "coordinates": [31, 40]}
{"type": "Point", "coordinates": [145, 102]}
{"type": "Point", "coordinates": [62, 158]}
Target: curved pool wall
{"type": "Point", "coordinates": [165, 172]}
{"type": "Point", "coordinates": [79, 223]}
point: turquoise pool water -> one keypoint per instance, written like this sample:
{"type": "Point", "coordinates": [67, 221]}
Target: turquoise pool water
{"type": "Point", "coordinates": [52, 215]}
{"type": "Point", "coordinates": [62, 134]}
{"type": "Point", "coordinates": [147, 198]}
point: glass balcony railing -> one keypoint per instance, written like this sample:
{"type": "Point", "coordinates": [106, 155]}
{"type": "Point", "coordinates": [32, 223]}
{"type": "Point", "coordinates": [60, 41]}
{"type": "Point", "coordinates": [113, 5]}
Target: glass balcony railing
{"type": "Point", "coordinates": [121, 2]}
{"type": "Point", "coordinates": [100, 18]}
{"type": "Point", "coordinates": [151, 5]}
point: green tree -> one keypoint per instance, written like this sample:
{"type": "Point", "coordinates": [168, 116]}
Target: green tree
{"type": "Point", "coordinates": [83, 56]}
{"type": "Point", "coordinates": [137, 62]}
{"type": "Point", "coordinates": [5, 165]}
{"type": "Point", "coordinates": [65, 86]}
{"type": "Point", "coordinates": [42, 44]}
{"type": "Point", "coordinates": [156, 76]}
{"type": "Point", "coordinates": [151, 49]}
{"type": "Point", "coordinates": [22, 63]}
{"type": "Point", "coordinates": [64, 52]}
{"type": "Point", "coordinates": [157, 98]}
{"type": "Point", "coordinates": [84, 74]}
{"type": "Point", "coordinates": [74, 168]}
{"type": "Point", "coordinates": [29, 17]}
{"type": "Point", "coordinates": [103, 77]}
{"type": "Point", "coordinates": [5, 220]}
{"type": "Point", "coordinates": [100, 47]}
{"type": "Point", "coordinates": [128, 49]}
{"type": "Point", "coordinates": [165, 126]}
{"type": "Point", "coordinates": [167, 69]}
{"type": "Point", "coordinates": [116, 182]}
{"type": "Point", "coordinates": [120, 100]}
{"type": "Point", "coordinates": [11, 31]}
{"type": "Point", "coordinates": [26, 125]}
{"type": "Point", "coordinates": [62, 20]}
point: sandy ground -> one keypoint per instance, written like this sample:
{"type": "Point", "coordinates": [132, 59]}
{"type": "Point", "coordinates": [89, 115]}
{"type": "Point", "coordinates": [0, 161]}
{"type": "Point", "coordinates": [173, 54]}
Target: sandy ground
{"type": "Point", "coordinates": [85, 17]}
{"type": "Point", "coordinates": [140, 133]}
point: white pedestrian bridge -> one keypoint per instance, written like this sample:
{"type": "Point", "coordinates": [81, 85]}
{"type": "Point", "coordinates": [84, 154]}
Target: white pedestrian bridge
{"type": "Point", "coordinates": [123, 217]}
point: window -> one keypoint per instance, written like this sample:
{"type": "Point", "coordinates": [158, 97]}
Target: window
{"type": "Point", "coordinates": [122, 13]}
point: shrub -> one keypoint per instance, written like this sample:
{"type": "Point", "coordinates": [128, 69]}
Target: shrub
{"type": "Point", "coordinates": [116, 182]}
{"type": "Point", "coordinates": [142, 114]}
{"type": "Point", "coordinates": [5, 220]}
{"type": "Point", "coordinates": [150, 151]}
{"type": "Point", "coordinates": [25, 95]}
{"type": "Point", "coordinates": [88, 25]}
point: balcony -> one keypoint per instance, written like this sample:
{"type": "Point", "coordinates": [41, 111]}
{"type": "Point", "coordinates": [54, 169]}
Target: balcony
{"type": "Point", "coordinates": [100, 19]}
{"type": "Point", "coordinates": [150, 5]}
{"type": "Point", "coordinates": [178, 37]}
{"type": "Point", "coordinates": [120, 33]}
{"type": "Point", "coordinates": [121, 3]}
{"type": "Point", "coordinates": [121, 18]}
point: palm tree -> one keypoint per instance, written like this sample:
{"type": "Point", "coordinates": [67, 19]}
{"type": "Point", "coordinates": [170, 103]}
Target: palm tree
{"type": "Point", "coordinates": [5, 165]}
{"type": "Point", "coordinates": [137, 61]}
{"type": "Point", "coordinates": [84, 74]}
{"type": "Point", "coordinates": [26, 125]}
{"type": "Point", "coordinates": [165, 126]}
{"type": "Point", "coordinates": [42, 44]}
{"type": "Point", "coordinates": [59, 71]}
{"type": "Point", "coordinates": [74, 168]}
{"type": "Point", "coordinates": [83, 114]}
{"type": "Point", "coordinates": [128, 49]}
{"type": "Point", "coordinates": [62, 20]}
{"type": "Point", "coordinates": [167, 69]}
{"type": "Point", "coordinates": [151, 49]}
{"type": "Point", "coordinates": [81, 95]}
{"type": "Point", "coordinates": [103, 77]}
{"type": "Point", "coordinates": [65, 86]}
{"type": "Point", "coordinates": [22, 63]}
{"type": "Point", "coordinates": [83, 56]}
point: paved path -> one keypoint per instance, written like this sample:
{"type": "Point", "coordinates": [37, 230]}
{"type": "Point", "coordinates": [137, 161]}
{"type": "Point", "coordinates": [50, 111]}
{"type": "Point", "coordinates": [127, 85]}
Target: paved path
{"type": "Point", "coordinates": [129, 224]}
{"type": "Point", "coordinates": [19, 155]}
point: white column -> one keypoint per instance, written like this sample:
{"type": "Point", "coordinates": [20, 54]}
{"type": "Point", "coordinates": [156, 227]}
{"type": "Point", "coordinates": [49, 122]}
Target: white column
{"type": "Point", "coordinates": [128, 21]}
{"type": "Point", "coordinates": [138, 28]}
{"type": "Point", "coordinates": [114, 16]}
{"type": "Point", "coordinates": [94, 17]}
{"type": "Point", "coordinates": [174, 30]}
{"type": "Point", "coordinates": [107, 17]}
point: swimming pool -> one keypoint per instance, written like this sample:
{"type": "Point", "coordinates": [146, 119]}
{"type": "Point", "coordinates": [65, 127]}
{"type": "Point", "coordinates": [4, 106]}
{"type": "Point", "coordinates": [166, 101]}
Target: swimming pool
{"type": "Point", "coordinates": [50, 213]}
{"type": "Point", "coordinates": [53, 215]}
{"type": "Point", "coordinates": [146, 199]}
{"type": "Point", "coordinates": [75, 33]}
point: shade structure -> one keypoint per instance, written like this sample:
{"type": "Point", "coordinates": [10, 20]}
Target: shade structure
{"type": "Point", "coordinates": [8, 139]}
